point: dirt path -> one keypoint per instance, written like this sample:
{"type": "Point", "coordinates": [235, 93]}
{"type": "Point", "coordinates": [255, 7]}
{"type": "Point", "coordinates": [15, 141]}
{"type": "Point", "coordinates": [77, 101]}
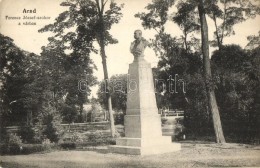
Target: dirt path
{"type": "Point", "coordinates": [191, 155]}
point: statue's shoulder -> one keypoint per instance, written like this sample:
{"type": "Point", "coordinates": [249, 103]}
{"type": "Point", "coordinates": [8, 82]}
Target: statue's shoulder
{"type": "Point", "coordinates": [144, 41]}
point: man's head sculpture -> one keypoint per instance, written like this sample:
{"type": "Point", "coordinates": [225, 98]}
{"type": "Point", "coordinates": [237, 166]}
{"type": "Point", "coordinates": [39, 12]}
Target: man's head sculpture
{"type": "Point", "coordinates": [138, 34]}
{"type": "Point", "coordinates": [137, 47]}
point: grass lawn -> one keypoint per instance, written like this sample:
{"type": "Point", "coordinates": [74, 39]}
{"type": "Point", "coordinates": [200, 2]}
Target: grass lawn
{"type": "Point", "coordinates": [193, 154]}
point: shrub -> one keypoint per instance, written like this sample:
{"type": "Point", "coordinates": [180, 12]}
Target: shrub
{"type": "Point", "coordinates": [3, 149]}
{"type": "Point", "coordinates": [14, 139]}
{"type": "Point", "coordinates": [15, 149]}
{"type": "Point", "coordinates": [69, 140]}
{"type": "Point", "coordinates": [33, 148]}
{"type": "Point", "coordinates": [68, 145]}
{"type": "Point", "coordinates": [94, 137]}
{"type": "Point", "coordinates": [3, 133]}
{"type": "Point", "coordinates": [97, 138]}
{"type": "Point", "coordinates": [12, 145]}
{"type": "Point", "coordinates": [111, 141]}
{"type": "Point", "coordinates": [119, 118]}
{"type": "Point", "coordinates": [50, 131]}
{"type": "Point", "coordinates": [76, 137]}
{"type": "Point", "coordinates": [27, 134]}
{"type": "Point", "coordinates": [46, 141]}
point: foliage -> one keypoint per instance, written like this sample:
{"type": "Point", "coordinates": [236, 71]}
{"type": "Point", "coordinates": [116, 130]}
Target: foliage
{"type": "Point", "coordinates": [97, 138]}
{"type": "Point", "coordinates": [177, 64]}
{"type": "Point", "coordinates": [232, 85]}
{"type": "Point", "coordinates": [13, 78]}
{"type": "Point", "coordinates": [28, 91]}
{"type": "Point", "coordinates": [230, 13]}
{"type": "Point", "coordinates": [237, 80]}
{"type": "Point", "coordinates": [14, 140]}
{"type": "Point", "coordinates": [50, 131]}
{"type": "Point", "coordinates": [33, 148]}
{"type": "Point", "coordinates": [119, 118]}
{"type": "Point", "coordinates": [159, 13]}
{"type": "Point", "coordinates": [12, 145]}
{"type": "Point", "coordinates": [90, 21]}
{"type": "Point", "coordinates": [26, 149]}
{"type": "Point", "coordinates": [43, 90]}
{"type": "Point", "coordinates": [96, 111]}
{"type": "Point", "coordinates": [69, 113]}
{"type": "Point", "coordinates": [4, 134]}
{"type": "Point", "coordinates": [164, 47]}
{"type": "Point", "coordinates": [68, 145]}
{"type": "Point", "coordinates": [118, 89]}
{"type": "Point", "coordinates": [188, 21]}
{"type": "Point", "coordinates": [254, 41]}
{"type": "Point", "coordinates": [27, 134]}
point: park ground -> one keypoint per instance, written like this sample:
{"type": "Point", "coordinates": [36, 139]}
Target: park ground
{"type": "Point", "coordinates": [193, 154]}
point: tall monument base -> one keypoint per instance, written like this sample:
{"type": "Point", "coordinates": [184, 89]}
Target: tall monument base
{"type": "Point", "coordinates": [139, 146]}
{"type": "Point", "coordinates": [142, 122]}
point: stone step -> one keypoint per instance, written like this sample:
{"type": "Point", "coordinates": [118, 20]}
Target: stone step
{"type": "Point", "coordinates": [143, 142]}
{"type": "Point", "coordinates": [130, 150]}
{"type": "Point", "coordinates": [157, 149]}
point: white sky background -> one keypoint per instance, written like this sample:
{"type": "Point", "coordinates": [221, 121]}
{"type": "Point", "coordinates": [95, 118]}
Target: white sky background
{"type": "Point", "coordinates": [118, 55]}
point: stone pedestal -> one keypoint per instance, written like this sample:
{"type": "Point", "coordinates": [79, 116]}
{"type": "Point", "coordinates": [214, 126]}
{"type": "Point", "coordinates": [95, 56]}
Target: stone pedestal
{"type": "Point", "coordinates": [143, 133]}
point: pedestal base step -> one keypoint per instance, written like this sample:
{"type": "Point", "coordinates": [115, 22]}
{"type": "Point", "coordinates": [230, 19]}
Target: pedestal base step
{"type": "Point", "coordinates": [143, 142]}
{"type": "Point", "coordinates": [147, 150]}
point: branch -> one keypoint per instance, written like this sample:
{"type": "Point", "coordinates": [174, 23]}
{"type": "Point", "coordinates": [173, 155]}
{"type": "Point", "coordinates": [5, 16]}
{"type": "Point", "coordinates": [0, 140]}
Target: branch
{"type": "Point", "coordinates": [103, 5]}
{"type": "Point", "coordinates": [98, 6]}
{"type": "Point", "coordinates": [224, 21]}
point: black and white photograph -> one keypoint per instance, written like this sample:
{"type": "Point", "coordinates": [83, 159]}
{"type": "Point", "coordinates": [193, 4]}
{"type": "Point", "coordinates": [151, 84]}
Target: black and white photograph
{"type": "Point", "coordinates": [129, 83]}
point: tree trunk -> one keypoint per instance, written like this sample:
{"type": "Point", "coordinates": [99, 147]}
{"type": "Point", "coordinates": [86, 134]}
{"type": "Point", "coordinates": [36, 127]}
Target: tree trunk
{"type": "Point", "coordinates": [207, 76]}
{"type": "Point", "coordinates": [224, 22]}
{"type": "Point", "coordinates": [101, 41]}
{"type": "Point", "coordinates": [185, 41]}
{"type": "Point", "coordinates": [217, 35]}
{"type": "Point", "coordinates": [108, 95]}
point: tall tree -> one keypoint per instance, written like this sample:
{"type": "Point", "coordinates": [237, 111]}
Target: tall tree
{"type": "Point", "coordinates": [187, 19]}
{"type": "Point", "coordinates": [92, 20]}
{"type": "Point", "coordinates": [208, 76]}
{"type": "Point", "coordinates": [237, 81]}
{"type": "Point", "coordinates": [13, 79]}
{"type": "Point", "coordinates": [228, 13]}
{"type": "Point", "coordinates": [156, 19]}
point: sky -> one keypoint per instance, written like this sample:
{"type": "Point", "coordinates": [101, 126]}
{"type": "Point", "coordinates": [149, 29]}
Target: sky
{"type": "Point", "coordinates": [118, 56]}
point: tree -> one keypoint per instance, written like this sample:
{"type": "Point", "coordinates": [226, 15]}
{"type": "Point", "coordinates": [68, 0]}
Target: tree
{"type": "Point", "coordinates": [92, 22]}
{"type": "Point", "coordinates": [188, 21]}
{"type": "Point", "coordinates": [230, 13]}
{"type": "Point", "coordinates": [237, 77]}
{"type": "Point", "coordinates": [103, 37]}
{"type": "Point", "coordinates": [13, 79]}
{"type": "Point", "coordinates": [27, 97]}
{"type": "Point", "coordinates": [185, 17]}
{"type": "Point", "coordinates": [118, 87]}
{"type": "Point", "coordinates": [254, 41]}
{"type": "Point", "coordinates": [208, 76]}
{"type": "Point", "coordinates": [155, 18]}
{"type": "Point", "coordinates": [64, 72]}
